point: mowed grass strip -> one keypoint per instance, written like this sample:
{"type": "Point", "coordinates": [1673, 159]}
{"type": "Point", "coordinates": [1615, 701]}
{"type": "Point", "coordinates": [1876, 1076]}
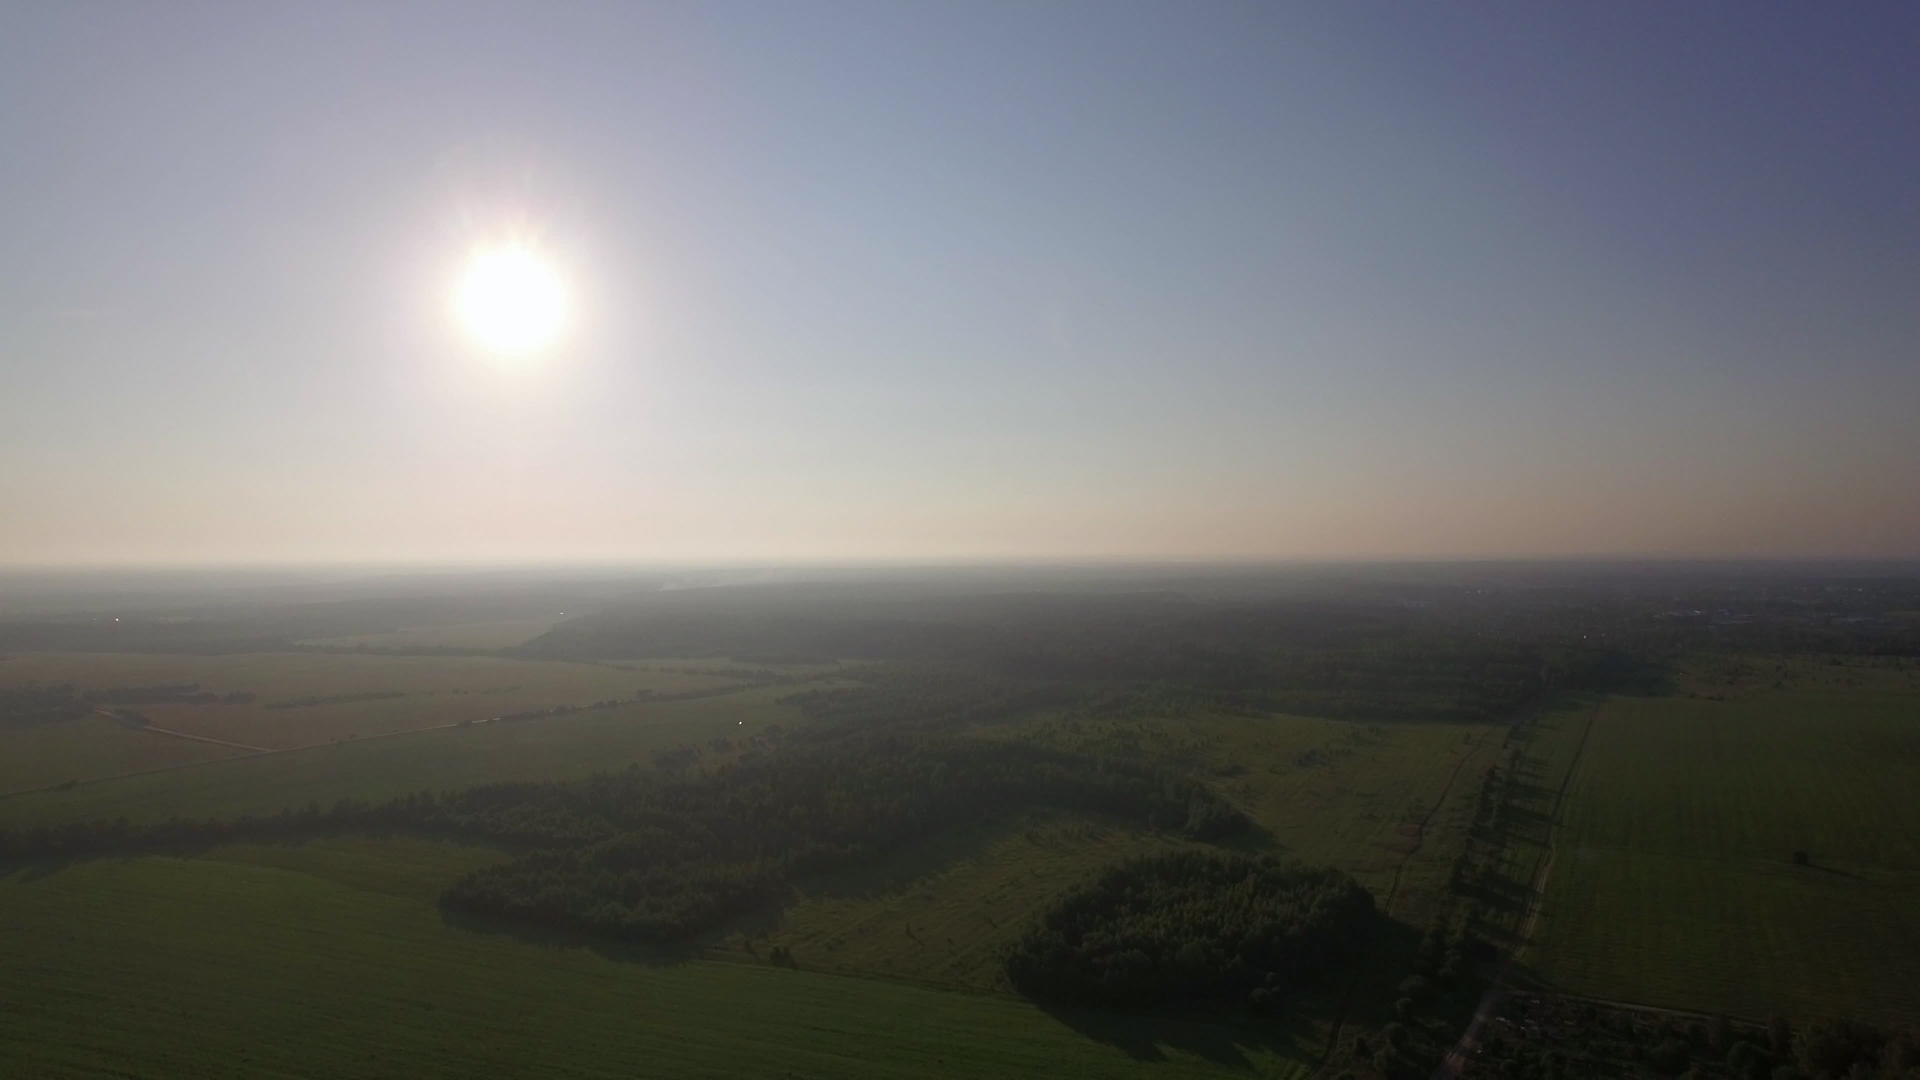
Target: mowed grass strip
{"type": "Point", "coordinates": [550, 748]}
{"type": "Point", "coordinates": [217, 967]}
{"type": "Point", "coordinates": [1673, 881]}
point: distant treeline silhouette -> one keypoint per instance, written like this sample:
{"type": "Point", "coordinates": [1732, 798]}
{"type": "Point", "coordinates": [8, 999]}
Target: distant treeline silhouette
{"type": "Point", "coordinates": [644, 861]}
{"type": "Point", "coordinates": [35, 704]}
{"type": "Point", "coordinates": [1343, 661]}
{"type": "Point", "coordinates": [642, 857]}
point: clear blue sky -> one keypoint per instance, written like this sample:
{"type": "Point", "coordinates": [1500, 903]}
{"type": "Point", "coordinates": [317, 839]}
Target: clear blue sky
{"type": "Point", "coordinates": [919, 281]}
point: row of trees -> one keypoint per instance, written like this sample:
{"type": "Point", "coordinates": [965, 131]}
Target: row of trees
{"type": "Point", "coordinates": [35, 703]}
{"type": "Point", "coordinates": [184, 693]}
{"type": "Point", "coordinates": [1357, 658]}
{"type": "Point", "coordinates": [1193, 927]}
{"type": "Point", "coordinates": [654, 858]}
{"type": "Point", "coordinates": [630, 857]}
{"type": "Point", "coordinates": [1557, 1039]}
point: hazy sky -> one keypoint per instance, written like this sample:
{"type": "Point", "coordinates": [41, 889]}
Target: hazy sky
{"type": "Point", "coordinates": [916, 281]}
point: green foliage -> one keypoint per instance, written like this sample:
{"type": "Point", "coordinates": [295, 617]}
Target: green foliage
{"type": "Point", "coordinates": [1747, 1060]}
{"type": "Point", "coordinates": [1669, 1055]}
{"type": "Point", "coordinates": [631, 857]}
{"type": "Point", "coordinates": [1335, 658]}
{"type": "Point", "coordinates": [1192, 927]}
{"type": "Point", "coordinates": [328, 959]}
{"type": "Point", "coordinates": [1832, 1047]}
{"type": "Point", "coordinates": [35, 705]}
{"type": "Point", "coordinates": [641, 858]}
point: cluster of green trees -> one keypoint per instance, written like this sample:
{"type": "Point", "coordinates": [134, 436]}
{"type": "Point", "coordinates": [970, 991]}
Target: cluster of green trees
{"type": "Point", "coordinates": [1353, 659]}
{"type": "Point", "coordinates": [1571, 1041]}
{"type": "Point", "coordinates": [184, 693]}
{"type": "Point", "coordinates": [1433, 1001]}
{"type": "Point", "coordinates": [1193, 927]}
{"type": "Point", "coordinates": [654, 858]}
{"type": "Point", "coordinates": [316, 700]}
{"type": "Point", "coordinates": [644, 860]}
{"type": "Point", "coordinates": [34, 705]}
{"type": "Point", "coordinates": [1832, 1049]}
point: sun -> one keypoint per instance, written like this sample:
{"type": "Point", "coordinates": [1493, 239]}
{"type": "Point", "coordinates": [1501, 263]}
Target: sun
{"type": "Point", "coordinates": [512, 301]}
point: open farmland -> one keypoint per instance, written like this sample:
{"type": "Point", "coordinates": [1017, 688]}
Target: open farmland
{"type": "Point", "coordinates": [492, 634]}
{"type": "Point", "coordinates": [1389, 804]}
{"type": "Point", "coordinates": [329, 959]}
{"type": "Point", "coordinates": [945, 911]}
{"type": "Point", "coordinates": [91, 746]}
{"type": "Point", "coordinates": [304, 699]}
{"type": "Point", "coordinates": [1383, 802]}
{"type": "Point", "coordinates": [1674, 881]}
{"type": "Point", "coordinates": [550, 748]}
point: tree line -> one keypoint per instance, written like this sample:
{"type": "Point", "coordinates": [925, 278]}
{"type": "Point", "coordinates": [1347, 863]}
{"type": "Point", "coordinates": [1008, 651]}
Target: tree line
{"type": "Point", "coordinates": [651, 858]}
{"type": "Point", "coordinates": [1353, 659]}
{"type": "Point", "coordinates": [51, 703]}
{"type": "Point", "coordinates": [35, 704]}
{"type": "Point", "coordinates": [659, 862]}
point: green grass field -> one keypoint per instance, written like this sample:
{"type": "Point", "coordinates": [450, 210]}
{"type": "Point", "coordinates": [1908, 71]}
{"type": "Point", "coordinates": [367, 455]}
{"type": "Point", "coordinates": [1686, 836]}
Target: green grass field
{"type": "Point", "coordinates": [91, 746]}
{"type": "Point", "coordinates": [435, 691]}
{"type": "Point", "coordinates": [330, 959]}
{"type": "Point", "coordinates": [944, 912]}
{"type": "Point", "coordinates": [549, 748]}
{"type": "Point", "coordinates": [491, 634]}
{"type": "Point", "coordinates": [1389, 804]}
{"type": "Point", "coordinates": [1383, 802]}
{"type": "Point", "coordinates": [1673, 882]}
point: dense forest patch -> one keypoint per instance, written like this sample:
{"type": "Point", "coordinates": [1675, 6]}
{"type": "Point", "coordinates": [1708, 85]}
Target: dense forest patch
{"type": "Point", "coordinates": [640, 860]}
{"type": "Point", "coordinates": [1193, 927]}
{"type": "Point", "coordinates": [34, 705]}
{"type": "Point", "coordinates": [651, 858]}
{"type": "Point", "coordinates": [1355, 659]}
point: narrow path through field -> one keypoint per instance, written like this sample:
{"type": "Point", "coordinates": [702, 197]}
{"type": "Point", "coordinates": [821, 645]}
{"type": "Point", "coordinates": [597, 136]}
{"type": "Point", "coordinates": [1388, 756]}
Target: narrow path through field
{"type": "Point", "coordinates": [205, 739]}
{"type": "Point", "coordinates": [1456, 1059]}
{"type": "Point", "coordinates": [139, 723]}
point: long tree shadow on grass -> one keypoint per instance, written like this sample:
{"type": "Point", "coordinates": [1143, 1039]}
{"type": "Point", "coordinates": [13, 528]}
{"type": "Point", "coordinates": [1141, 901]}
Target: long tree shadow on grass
{"type": "Point", "coordinates": [29, 868]}
{"type": "Point", "coordinates": [1225, 1040]}
{"type": "Point", "coordinates": [561, 939]}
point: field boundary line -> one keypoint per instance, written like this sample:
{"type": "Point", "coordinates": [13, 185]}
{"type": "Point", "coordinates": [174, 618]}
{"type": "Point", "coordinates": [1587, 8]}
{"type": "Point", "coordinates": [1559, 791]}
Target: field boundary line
{"type": "Point", "coordinates": [205, 739]}
{"type": "Point", "coordinates": [136, 722]}
{"type": "Point", "coordinates": [1455, 1059]}
{"type": "Point", "coordinates": [1393, 892]}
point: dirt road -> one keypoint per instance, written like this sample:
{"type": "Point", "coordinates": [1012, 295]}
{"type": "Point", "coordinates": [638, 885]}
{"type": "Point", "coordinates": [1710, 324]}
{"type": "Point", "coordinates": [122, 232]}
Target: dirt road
{"type": "Point", "coordinates": [1456, 1059]}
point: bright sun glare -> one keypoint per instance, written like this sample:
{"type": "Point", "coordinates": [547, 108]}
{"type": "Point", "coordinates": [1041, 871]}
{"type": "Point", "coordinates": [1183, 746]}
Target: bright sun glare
{"type": "Point", "coordinates": [512, 301]}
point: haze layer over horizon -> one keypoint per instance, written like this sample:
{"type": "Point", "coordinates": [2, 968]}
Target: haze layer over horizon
{"type": "Point", "coordinates": [971, 281]}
